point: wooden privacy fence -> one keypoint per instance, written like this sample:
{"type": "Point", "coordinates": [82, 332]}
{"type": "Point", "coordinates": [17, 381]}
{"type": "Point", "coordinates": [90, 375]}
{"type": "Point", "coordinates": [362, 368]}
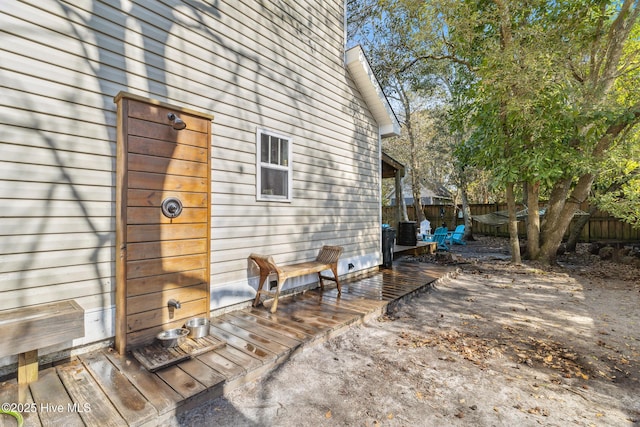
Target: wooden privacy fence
{"type": "Point", "coordinates": [601, 226]}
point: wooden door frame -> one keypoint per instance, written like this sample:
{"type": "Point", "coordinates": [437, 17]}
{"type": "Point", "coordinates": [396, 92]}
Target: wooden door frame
{"type": "Point", "coordinates": [122, 100]}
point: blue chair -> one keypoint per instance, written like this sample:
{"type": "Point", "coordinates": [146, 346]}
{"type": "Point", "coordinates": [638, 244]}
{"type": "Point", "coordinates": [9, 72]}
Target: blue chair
{"type": "Point", "coordinates": [456, 236]}
{"type": "Point", "coordinates": [439, 236]}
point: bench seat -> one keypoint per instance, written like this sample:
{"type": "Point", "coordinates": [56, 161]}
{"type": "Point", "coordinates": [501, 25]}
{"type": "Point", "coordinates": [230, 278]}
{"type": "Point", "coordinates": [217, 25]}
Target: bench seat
{"type": "Point", "coordinates": [24, 330]}
{"type": "Point", "coordinates": [327, 259]}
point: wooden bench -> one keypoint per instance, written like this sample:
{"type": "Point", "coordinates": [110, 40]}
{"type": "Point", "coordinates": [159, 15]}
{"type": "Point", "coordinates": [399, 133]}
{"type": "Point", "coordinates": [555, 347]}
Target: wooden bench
{"type": "Point", "coordinates": [25, 330]}
{"type": "Point", "coordinates": [327, 259]}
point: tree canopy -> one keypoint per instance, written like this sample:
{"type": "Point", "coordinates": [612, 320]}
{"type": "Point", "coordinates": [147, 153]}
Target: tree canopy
{"type": "Point", "coordinates": [544, 93]}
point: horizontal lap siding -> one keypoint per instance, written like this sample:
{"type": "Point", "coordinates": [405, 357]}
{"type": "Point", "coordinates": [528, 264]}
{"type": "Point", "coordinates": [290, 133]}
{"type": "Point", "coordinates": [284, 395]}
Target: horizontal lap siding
{"type": "Point", "coordinates": [251, 64]}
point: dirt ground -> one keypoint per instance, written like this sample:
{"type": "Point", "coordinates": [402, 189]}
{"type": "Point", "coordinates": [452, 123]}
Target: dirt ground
{"type": "Point", "coordinates": [494, 344]}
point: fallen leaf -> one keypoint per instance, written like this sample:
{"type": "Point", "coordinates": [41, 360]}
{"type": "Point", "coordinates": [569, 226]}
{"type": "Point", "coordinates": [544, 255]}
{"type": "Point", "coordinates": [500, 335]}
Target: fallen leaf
{"type": "Point", "coordinates": [328, 414]}
{"type": "Point", "coordinates": [581, 375]}
{"type": "Point", "coordinates": [390, 416]}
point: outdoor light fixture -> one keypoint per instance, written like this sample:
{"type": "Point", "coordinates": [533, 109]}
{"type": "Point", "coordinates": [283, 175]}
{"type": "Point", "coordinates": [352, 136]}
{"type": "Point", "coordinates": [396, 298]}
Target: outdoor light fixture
{"type": "Point", "coordinates": [177, 122]}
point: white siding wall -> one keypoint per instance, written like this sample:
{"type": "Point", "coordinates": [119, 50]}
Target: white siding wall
{"type": "Point", "coordinates": [275, 65]}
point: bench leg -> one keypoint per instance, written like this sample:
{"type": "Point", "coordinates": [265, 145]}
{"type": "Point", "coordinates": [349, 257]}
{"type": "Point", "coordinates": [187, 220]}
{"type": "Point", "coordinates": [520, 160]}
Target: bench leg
{"type": "Point", "coordinates": [28, 367]}
{"type": "Point", "coordinates": [334, 270]}
{"type": "Point", "coordinates": [263, 278]}
{"type": "Point", "coordinates": [274, 306]}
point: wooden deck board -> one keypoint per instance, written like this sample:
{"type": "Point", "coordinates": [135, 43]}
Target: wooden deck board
{"type": "Point", "coordinates": [328, 311]}
{"type": "Point", "coordinates": [251, 350]}
{"type": "Point", "coordinates": [329, 305]}
{"type": "Point", "coordinates": [129, 402]}
{"type": "Point", "coordinates": [155, 390]}
{"type": "Point", "coordinates": [359, 305]}
{"type": "Point", "coordinates": [11, 392]}
{"type": "Point", "coordinates": [384, 292]}
{"type": "Point", "coordinates": [287, 321]}
{"type": "Point", "coordinates": [241, 358]}
{"type": "Point", "coordinates": [327, 314]}
{"type": "Point", "coordinates": [180, 381]}
{"type": "Point", "coordinates": [224, 366]}
{"type": "Point", "coordinates": [49, 393]}
{"type": "Point", "coordinates": [309, 316]}
{"type": "Point", "coordinates": [369, 294]}
{"type": "Point", "coordinates": [341, 301]}
{"type": "Point", "coordinates": [206, 375]}
{"type": "Point", "coordinates": [120, 391]}
{"type": "Point", "coordinates": [274, 326]}
{"type": "Point", "coordinates": [361, 301]}
{"type": "Point", "coordinates": [265, 331]}
{"type": "Point", "coordinates": [93, 406]}
{"type": "Point", "coordinates": [226, 323]}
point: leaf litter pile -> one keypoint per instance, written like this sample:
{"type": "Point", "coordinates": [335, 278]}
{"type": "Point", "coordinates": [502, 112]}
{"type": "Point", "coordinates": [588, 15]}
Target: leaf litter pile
{"type": "Point", "coordinates": [530, 351]}
{"type": "Point", "coordinates": [577, 325]}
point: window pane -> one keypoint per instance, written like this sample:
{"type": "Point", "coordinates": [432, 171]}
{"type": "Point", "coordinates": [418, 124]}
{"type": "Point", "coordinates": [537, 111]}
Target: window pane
{"type": "Point", "coordinates": [264, 148]}
{"type": "Point", "coordinates": [275, 158]}
{"type": "Point", "coordinates": [274, 182]}
{"type": "Point", "coordinates": [284, 152]}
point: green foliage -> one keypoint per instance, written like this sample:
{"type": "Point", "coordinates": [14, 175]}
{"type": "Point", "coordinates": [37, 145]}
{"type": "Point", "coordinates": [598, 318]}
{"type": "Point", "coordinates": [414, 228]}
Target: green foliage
{"type": "Point", "coordinates": [536, 90]}
{"type": "Point", "coordinates": [617, 189]}
{"type": "Point", "coordinates": [624, 202]}
{"type": "Point", "coordinates": [540, 102]}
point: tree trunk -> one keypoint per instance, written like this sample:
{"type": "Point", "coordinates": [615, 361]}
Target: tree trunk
{"type": "Point", "coordinates": [403, 204]}
{"type": "Point", "coordinates": [559, 214]}
{"type": "Point", "coordinates": [414, 161]}
{"type": "Point", "coordinates": [578, 225]}
{"type": "Point", "coordinates": [466, 212]}
{"type": "Point", "coordinates": [453, 219]}
{"type": "Point", "coordinates": [417, 203]}
{"type": "Point", "coordinates": [576, 229]}
{"type": "Point", "coordinates": [514, 242]}
{"type": "Point", "coordinates": [533, 220]}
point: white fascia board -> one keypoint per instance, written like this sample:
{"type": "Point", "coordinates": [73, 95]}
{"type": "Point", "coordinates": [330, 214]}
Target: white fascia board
{"type": "Point", "coordinates": [368, 85]}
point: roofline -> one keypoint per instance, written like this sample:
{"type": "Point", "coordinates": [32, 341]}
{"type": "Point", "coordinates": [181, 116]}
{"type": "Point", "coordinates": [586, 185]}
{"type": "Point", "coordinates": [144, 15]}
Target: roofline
{"type": "Point", "coordinates": [368, 85]}
{"type": "Point", "coordinates": [393, 163]}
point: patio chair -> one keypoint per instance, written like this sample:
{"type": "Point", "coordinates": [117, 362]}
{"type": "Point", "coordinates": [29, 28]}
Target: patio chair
{"type": "Point", "coordinates": [425, 230]}
{"type": "Point", "coordinates": [456, 236]}
{"type": "Point", "coordinates": [439, 236]}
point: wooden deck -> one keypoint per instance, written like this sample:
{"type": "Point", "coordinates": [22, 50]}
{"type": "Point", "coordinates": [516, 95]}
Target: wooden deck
{"type": "Point", "coordinates": [420, 248]}
{"type": "Point", "coordinates": [105, 389]}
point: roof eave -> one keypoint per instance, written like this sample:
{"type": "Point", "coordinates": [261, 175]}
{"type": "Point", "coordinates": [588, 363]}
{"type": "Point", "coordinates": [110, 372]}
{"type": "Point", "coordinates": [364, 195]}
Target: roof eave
{"type": "Point", "coordinates": [368, 85]}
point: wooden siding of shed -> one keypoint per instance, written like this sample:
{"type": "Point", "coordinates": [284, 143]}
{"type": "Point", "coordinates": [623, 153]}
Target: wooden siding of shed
{"type": "Point", "coordinates": [253, 64]}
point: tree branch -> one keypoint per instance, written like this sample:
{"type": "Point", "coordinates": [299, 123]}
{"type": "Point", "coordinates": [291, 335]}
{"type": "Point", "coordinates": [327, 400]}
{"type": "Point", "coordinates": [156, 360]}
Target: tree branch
{"type": "Point", "coordinates": [574, 72]}
{"type": "Point", "coordinates": [438, 58]}
{"type": "Point", "coordinates": [630, 118]}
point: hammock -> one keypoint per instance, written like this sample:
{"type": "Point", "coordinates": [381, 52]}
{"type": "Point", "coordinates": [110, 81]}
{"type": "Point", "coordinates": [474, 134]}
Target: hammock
{"type": "Point", "coordinates": [499, 218]}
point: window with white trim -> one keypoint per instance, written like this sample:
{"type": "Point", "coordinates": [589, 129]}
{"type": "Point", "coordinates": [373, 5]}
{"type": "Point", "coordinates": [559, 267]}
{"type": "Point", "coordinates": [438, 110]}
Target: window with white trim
{"type": "Point", "coordinates": [274, 166]}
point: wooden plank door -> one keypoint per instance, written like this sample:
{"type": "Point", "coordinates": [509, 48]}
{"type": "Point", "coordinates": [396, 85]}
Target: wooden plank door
{"type": "Point", "coordinates": [160, 258]}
